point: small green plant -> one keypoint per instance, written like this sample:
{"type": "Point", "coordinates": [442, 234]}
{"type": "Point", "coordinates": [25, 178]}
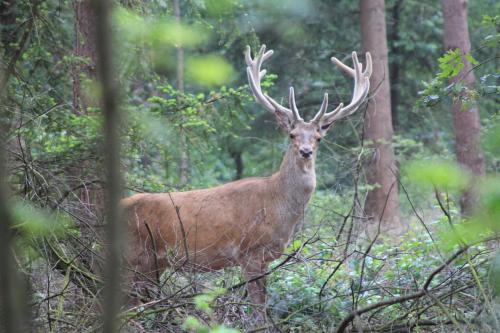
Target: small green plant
{"type": "Point", "coordinates": [204, 303]}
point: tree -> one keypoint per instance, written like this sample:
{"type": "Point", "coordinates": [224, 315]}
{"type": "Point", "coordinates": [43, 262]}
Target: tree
{"type": "Point", "coordinates": [397, 59]}
{"type": "Point", "coordinates": [85, 52]}
{"type": "Point", "coordinates": [12, 294]}
{"type": "Point", "coordinates": [382, 202]}
{"type": "Point", "coordinates": [84, 70]}
{"type": "Point", "coordinates": [466, 121]}
{"type": "Point", "coordinates": [109, 89]}
{"type": "Point", "coordinates": [184, 161]}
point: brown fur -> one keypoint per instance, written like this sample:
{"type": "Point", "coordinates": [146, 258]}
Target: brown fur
{"type": "Point", "coordinates": [245, 223]}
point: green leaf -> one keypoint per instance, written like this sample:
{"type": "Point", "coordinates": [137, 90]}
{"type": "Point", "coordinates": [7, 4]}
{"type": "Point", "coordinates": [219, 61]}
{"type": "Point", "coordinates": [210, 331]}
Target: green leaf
{"type": "Point", "coordinates": [37, 222]}
{"type": "Point", "coordinates": [471, 59]}
{"type": "Point", "coordinates": [450, 64]}
{"type": "Point", "coordinates": [437, 173]}
{"type": "Point", "coordinates": [220, 7]}
{"type": "Point", "coordinates": [223, 329]}
{"type": "Point", "coordinates": [491, 21]}
{"type": "Point", "coordinates": [193, 324]}
{"type": "Point", "coordinates": [294, 246]}
{"type": "Point", "coordinates": [202, 302]}
{"type": "Point", "coordinates": [209, 70]}
{"type": "Point", "coordinates": [488, 213]}
{"type": "Point", "coordinates": [492, 140]}
{"type": "Point", "coordinates": [157, 31]}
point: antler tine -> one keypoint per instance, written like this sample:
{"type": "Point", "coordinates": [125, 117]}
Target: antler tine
{"type": "Point", "coordinates": [361, 86]}
{"type": "Point", "coordinates": [322, 109]}
{"type": "Point", "coordinates": [255, 74]}
{"type": "Point", "coordinates": [293, 106]}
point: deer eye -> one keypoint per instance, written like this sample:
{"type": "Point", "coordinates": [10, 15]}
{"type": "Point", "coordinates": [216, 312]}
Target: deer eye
{"type": "Point", "coordinates": [318, 139]}
{"type": "Point", "coordinates": [292, 136]}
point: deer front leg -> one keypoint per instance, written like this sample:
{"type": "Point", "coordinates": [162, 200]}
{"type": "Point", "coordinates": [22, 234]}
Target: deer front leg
{"type": "Point", "coordinates": [254, 269]}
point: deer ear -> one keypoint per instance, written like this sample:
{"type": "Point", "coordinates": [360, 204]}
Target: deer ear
{"type": "Point", "coordinates": [283, 120]}
{"type": "Point", "coordinates": [324, 126]}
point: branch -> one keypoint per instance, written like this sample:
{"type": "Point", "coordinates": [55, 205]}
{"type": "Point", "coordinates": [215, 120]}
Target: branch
{"type": "Point", "coordinates": [400, 299]}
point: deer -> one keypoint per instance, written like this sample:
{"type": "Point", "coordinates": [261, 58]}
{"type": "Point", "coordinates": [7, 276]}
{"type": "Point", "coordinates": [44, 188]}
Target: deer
{"type": "Point", "coordinates": [246, 223]}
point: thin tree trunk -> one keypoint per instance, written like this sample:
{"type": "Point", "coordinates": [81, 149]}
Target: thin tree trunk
{"type": "Point", "coordinates": [396, 63]}
{"type": "Point", "coordinates": [84, 69]}
{"type": "Point", "coordinates": [85, 51]}
{"type": "Point", "coordinates": [237, 156]}
{"type": "Point", "coordinates": [14, 314]}
{"type": "Point", "coordinates": [13, 52]}
{"type": "Point", "coordinates": [112, 295]}
{"type": "Point", "coordinates": [13, 55]}
{"type": "Point", "coordinates": [12, 294]}
{"type": "Point", "coordinates": [8, 21]}
{"type": "Point", "coordinates": [466, 121]}
{"type": "Point", "coordinates": [382, 202]}
{"type": "Point", "coordinates": [184, 162]}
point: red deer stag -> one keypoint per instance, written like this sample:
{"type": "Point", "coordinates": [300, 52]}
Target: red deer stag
{"type": "Point", "coordinates": [245, 223]}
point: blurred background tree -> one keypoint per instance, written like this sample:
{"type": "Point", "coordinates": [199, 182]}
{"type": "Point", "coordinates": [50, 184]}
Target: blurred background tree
{"type": "Point", "coordinates": [466, 119]}
{"type": "Point", "coordinates": [382, 200]}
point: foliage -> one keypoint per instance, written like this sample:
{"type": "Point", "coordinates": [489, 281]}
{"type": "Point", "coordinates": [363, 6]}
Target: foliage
{"type": "Point", "coordinates": [451, 64]}
{"type": "Point", "coordinates": [203, 303]}
{"type": "Point", "coordinates": [438, 174]}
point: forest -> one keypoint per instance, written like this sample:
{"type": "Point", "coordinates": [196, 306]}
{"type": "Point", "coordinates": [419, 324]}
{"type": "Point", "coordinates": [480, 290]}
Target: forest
{"type": "Point", "coordinates": [226, 166]}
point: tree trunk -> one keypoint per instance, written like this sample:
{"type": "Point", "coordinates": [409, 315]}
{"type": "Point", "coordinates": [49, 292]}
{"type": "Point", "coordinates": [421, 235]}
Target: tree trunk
{"type": "Point", "coordinates": [382, 202]}
{"type": "Point", "coordinates": [237, 156]}
{"type": "Point", "coordinates": [8, 21]}
{"type": "Point", "coordinates": [112, 297]}
{"type": "Point", "coordinates": [396, 60]}
{"type": "Point", "coordinates": [466, 122]}
{"type": "Point", "coordinates": [13, 300]}
{"type": "Point", "coordinates": [14, 40]}
{"type": "Point", "coordinates": [85, 51]}
{"type": "Point", "coordinates": [184, 162]}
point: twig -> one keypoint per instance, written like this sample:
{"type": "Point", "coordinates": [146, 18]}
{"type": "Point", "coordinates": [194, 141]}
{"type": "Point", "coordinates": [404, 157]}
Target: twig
{"type": "Point", "coordinates": [153, 244]}
{"type": "Point", "coordinates": [400, 299]}
{"type": "Point", "coordinates": [183, 231]}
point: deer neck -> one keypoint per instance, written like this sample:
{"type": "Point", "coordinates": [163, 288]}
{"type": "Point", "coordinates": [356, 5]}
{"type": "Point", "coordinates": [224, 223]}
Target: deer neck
{"type": "Point", "coordinates": [296, 179]}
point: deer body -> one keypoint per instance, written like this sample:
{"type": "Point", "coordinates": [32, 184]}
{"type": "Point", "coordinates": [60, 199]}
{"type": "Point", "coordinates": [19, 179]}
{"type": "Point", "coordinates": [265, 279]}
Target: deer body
{"type": "Point", "coordinates": [222, 226]}
{"type": "Point", "coordinates": [245, 223]}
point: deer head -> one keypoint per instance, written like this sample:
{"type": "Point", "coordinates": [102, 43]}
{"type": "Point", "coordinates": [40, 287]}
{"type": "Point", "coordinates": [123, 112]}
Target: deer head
{"type": "Point", "coordinates": [305, 136]}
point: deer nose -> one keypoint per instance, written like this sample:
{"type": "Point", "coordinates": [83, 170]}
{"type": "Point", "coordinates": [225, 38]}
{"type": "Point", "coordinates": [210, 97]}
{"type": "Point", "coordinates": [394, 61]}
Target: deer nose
{"type": "Point", "coordinates": [305, 152]}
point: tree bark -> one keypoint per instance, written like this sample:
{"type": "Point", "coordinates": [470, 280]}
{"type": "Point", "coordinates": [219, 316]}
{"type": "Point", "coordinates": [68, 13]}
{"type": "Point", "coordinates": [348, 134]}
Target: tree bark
{"type": "Point", "coordinates": [84, 69]}
{"type": "Point", "coordinates": [382, 202]}
{"type": "Point", "coordinates": [8, 21]}
{"type": "Point", "coordinates": [396, 63]}
{"type": "Point", "coordinates": [466, 121]}
{"type": "Point", "coordinates": [85, 51]}
{"type": "Point", "coordinates": [184, 161]}
{"type": "Point", "coordinates": [237, 156]}
{"type": "Point", "coordinates": [112, 297]}
{"type": "Point", "coordinates": [14, 41]}
{"type": "Point", "coordinates": [13, 314]}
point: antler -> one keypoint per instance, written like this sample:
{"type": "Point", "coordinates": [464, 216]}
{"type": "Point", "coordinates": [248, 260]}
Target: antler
{"type": "Point", "coordinates": [255, 75]}
{"type": "Point", "coordinates": [361, 88]}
